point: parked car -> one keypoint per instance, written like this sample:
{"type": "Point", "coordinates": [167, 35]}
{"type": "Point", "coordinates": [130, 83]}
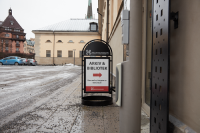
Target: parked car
{"type": "Point", "coordinates": [25, 61]}
{"type": "Point", "coordinates": [11, 60]}
{"type": "Point", "coordinates": [32, 62]}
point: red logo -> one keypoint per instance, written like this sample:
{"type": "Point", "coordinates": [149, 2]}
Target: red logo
{"type": "Point", "coordinates": [97, 88]}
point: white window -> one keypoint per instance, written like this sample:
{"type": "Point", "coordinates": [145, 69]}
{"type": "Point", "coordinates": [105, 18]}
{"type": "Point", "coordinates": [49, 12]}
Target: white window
{"type": "Point", "coordinates": [16, 30]}
{"type": "Point", "coordinates": [6, 35]}
{"type": "Point", "coordinates": [70, 41]}
{"type": "Point", "coordinates": [93, 26]}
{"type": "Point", "coordinates": [81, 41]}
{"type": "Point", "coordinates": [11, 22]}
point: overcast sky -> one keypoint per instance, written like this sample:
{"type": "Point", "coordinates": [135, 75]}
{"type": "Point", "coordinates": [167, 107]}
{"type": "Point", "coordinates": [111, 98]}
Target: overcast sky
{"type": "Point", "coordinates": [34, 14]}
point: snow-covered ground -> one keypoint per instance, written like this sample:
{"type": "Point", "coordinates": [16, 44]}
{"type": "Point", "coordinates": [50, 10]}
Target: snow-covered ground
{"type": "Point", "coordinates": [23, 86]}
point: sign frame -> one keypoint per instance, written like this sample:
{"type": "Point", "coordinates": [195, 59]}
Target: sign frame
{"type": "Point", "coordinates": [97, 49]}
{"type": "Point", "coordinates": [85, 58]}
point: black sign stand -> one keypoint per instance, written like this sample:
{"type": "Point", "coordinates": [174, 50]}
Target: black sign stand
{"type": "Point", "coordinates": [97, 49]}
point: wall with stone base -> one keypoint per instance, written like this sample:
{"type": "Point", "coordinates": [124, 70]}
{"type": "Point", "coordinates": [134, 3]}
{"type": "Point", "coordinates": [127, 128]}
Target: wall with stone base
{"type": "Point", "coordinates": [57, 60]}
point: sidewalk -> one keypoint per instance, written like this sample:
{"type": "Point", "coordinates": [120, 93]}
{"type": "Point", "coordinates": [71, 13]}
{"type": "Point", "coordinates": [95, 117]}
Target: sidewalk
{"type": "Point", "coordinates": [73, 117]}
{"type": "Point", "coordinates": [64, 113]}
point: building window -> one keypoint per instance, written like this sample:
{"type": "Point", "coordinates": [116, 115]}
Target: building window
{"type": "Point", "coordinates": [48, 53]}
{"type": "Point", "coordinates": [17, 42]}
{"type": "Point", "coordinates": [59, 53]}
{"type": "Point", "coordinates": [93, 26]}
{"type": "Point", "coordinates": [6, 48]}
{"type": "Point", "coordinates": [17, 49]}
{"type": "Point", "coordinates": [80, 54]}
{"type": "Point", "coordinates": [81, 41]}
{"type": "Point", "coordinates": [6, 35]}
{"type": "Point", "coordinates": [16, 30]}
{"type": "Point", "coordinates": [70, 53]}
{"type": "Point", "coordinates": [11, 22]}
{"type": "Point", "coordinates": [148, 53]}
{"type": "Point", "coordinates": [59, 41]}
{"type": "Point", "coordinates": [2, 41]}
{"type": "Point", "coordinates": [48, 41]}
{"type": "Point", "coordinates": [7, 41]}
{"type": "Point", "coordinates": [17, 36]}
{"type": "Point", "coordinates": [70, 41]}
{"type": "Point", "coordinates": [8, 29]}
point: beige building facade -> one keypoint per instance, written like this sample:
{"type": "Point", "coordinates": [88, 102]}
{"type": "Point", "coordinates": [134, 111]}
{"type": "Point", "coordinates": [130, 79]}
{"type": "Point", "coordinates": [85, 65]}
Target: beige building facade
{"type": "Point", "coordinates": [59, 46]}
{"type": "Point", "coordinates": [184, 75]}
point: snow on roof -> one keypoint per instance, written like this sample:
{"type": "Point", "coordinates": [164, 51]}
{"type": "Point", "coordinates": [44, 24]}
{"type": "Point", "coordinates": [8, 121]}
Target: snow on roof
{"type": "Point", "coordinates": [73, 25]}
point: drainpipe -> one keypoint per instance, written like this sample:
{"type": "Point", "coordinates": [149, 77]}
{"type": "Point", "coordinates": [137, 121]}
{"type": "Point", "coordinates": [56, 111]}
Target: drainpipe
{"type": "Point", "coordinates": [53, 46]}
{"type": "Point", "coordinates": [101, 22]}
{"type": "Point", "coordinates": [107, 21]}
{"type": "Point", "coordinates": [130, 112]}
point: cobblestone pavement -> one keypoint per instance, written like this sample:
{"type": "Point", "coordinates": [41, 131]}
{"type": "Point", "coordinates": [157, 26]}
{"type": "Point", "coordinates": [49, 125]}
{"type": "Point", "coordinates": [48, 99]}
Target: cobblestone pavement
{"type": "Point", "coordinates": [62, 112]}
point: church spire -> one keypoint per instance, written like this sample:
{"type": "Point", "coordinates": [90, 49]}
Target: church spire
{"type": "Point", "coordinates": [89, 11]}
{"type": "Point", "coordinates": [10, 11]}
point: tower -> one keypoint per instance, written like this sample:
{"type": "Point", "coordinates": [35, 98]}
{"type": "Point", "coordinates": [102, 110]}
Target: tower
{"type": "Point", "coordinates": [10, 11]}
{"type": "Point", "coordinates": [89, 11]}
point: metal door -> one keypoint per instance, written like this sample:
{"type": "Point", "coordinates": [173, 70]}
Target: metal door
{"type": "Point", "coordinates": [160, 67]}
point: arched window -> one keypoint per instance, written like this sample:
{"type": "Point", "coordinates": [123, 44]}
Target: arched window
{"type": "Point", "coordinates": [59, 40]}
{"type": "Point", "coordinates": [48, 41]}
{"type": "Point", "coordinates": [81, 41]}
{"type": "Point", "coordinates": [70, 41]}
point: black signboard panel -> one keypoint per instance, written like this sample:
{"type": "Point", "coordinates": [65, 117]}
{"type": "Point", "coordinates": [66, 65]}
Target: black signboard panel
{"type": "Point", "coordinates": [159, 110]}
{"type": "Point", "coordinates": [96, 48]}
{"type": "Point", "coordinates": [97, 66]}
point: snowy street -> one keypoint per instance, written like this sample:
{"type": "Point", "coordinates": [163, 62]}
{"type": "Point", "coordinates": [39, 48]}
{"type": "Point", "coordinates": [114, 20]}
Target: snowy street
{"type": "Point", "coordinates": [36, 99]}
{"type": "Point", "coordinates": [25, 88]}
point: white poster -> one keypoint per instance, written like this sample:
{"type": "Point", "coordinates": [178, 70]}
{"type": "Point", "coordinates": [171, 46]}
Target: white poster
{"type": "Point", "coordinates": [97, 75]}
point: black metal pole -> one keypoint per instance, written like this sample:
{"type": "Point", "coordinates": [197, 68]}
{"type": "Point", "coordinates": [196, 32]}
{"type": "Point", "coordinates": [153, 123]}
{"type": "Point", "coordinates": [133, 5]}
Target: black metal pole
{"type": "Point", "coordinates": [74, 57]}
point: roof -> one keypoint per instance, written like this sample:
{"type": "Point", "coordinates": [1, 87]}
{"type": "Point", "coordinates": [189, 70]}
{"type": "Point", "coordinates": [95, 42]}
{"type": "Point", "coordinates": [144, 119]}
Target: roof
{"type": "Point", "coordinates": [7, 23]}
{"type": "Point", "coordinates": [72, 25]}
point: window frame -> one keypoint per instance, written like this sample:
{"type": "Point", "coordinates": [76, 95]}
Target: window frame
{"type": "Point", "coordinates": [80, 54]}
{"type": "Point", "coordinates": [59, 53]}
{"type": "Point", "coordinates": [69, 54]}
{"type": "Point", "coordinates": [81, 41]}
{"type": "Point", "coordinates": [48, 41]}
{"type": "Point", "coordinates": [59, 41]}
{"type": "Point", "coordinates": [48, 52]}
{"type": "Point", "coordinates": [93, 23]}
{"type": "Point", "coordinates": [7, 35]}
{"type": "Point", "coordinates": [70, 41]}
